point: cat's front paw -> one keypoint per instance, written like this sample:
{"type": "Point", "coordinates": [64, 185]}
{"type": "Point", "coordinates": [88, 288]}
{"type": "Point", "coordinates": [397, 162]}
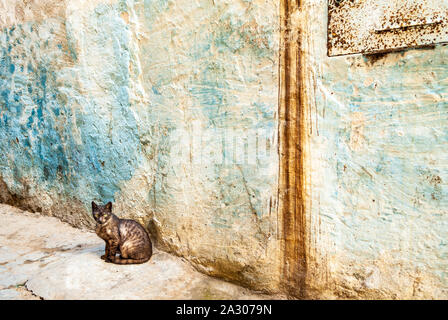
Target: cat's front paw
{"type": "Point", "coordinates": [103, 257]}
{"type": "Point", "coordinates": [109, 259]}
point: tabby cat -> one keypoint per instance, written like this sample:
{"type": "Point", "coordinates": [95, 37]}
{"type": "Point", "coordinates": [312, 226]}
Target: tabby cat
{"type": "Point", "coordinates": [124, 236]}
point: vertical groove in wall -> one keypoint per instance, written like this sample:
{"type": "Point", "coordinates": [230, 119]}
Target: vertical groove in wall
{"type": "Point", "coordinates": [291, 175]}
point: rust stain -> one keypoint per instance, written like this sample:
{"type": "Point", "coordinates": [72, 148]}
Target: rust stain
{"type": "Point", "coordinates": [392, 25]}
{"type": "Point", "coordinates": [291, 175]}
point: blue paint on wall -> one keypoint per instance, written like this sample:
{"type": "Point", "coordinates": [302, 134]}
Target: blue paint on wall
{"type": "Point", "coordinates": [39, 119]}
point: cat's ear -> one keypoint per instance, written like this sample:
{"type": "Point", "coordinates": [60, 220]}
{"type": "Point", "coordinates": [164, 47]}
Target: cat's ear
{"type": "Point", "coordinates": [94, 206]}
{"type": "Point", "coordinates": [108, 206]}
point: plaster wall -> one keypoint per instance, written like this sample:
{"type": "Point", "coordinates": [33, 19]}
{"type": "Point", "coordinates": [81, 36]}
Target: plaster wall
{"type": "Point", "coordinates": [376, 168]}
{"type": "Point", "coordinates": [166, 108]}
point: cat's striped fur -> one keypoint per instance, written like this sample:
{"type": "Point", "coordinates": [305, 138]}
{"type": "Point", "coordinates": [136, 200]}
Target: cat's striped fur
{"type": "Point", "coordinates": [124, 236]}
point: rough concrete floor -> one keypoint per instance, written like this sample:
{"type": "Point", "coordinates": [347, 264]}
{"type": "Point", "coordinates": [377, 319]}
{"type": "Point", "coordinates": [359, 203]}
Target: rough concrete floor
{"type": "Point", "coordinates": [44, 258]}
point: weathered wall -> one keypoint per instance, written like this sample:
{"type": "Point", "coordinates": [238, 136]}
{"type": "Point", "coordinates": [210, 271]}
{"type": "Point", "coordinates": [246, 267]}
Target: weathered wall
{"type": "Point", "coordinates": [376, 168]}
{"type": "Point", "coordinates": [209, 70]}
{"type": "Point", "coordinates": [170, 109]}
{"type": "Point", "coordinates": [167, 108]}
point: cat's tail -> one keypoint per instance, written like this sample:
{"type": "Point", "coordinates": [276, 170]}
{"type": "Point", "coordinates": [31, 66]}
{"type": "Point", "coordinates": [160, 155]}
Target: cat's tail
{"type": "Point", "coordinates": [119, 260]}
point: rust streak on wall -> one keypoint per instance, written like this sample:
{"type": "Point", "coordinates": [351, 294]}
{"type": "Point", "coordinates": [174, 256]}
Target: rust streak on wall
{"type": "Point", "coordinates": [291, 177]}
